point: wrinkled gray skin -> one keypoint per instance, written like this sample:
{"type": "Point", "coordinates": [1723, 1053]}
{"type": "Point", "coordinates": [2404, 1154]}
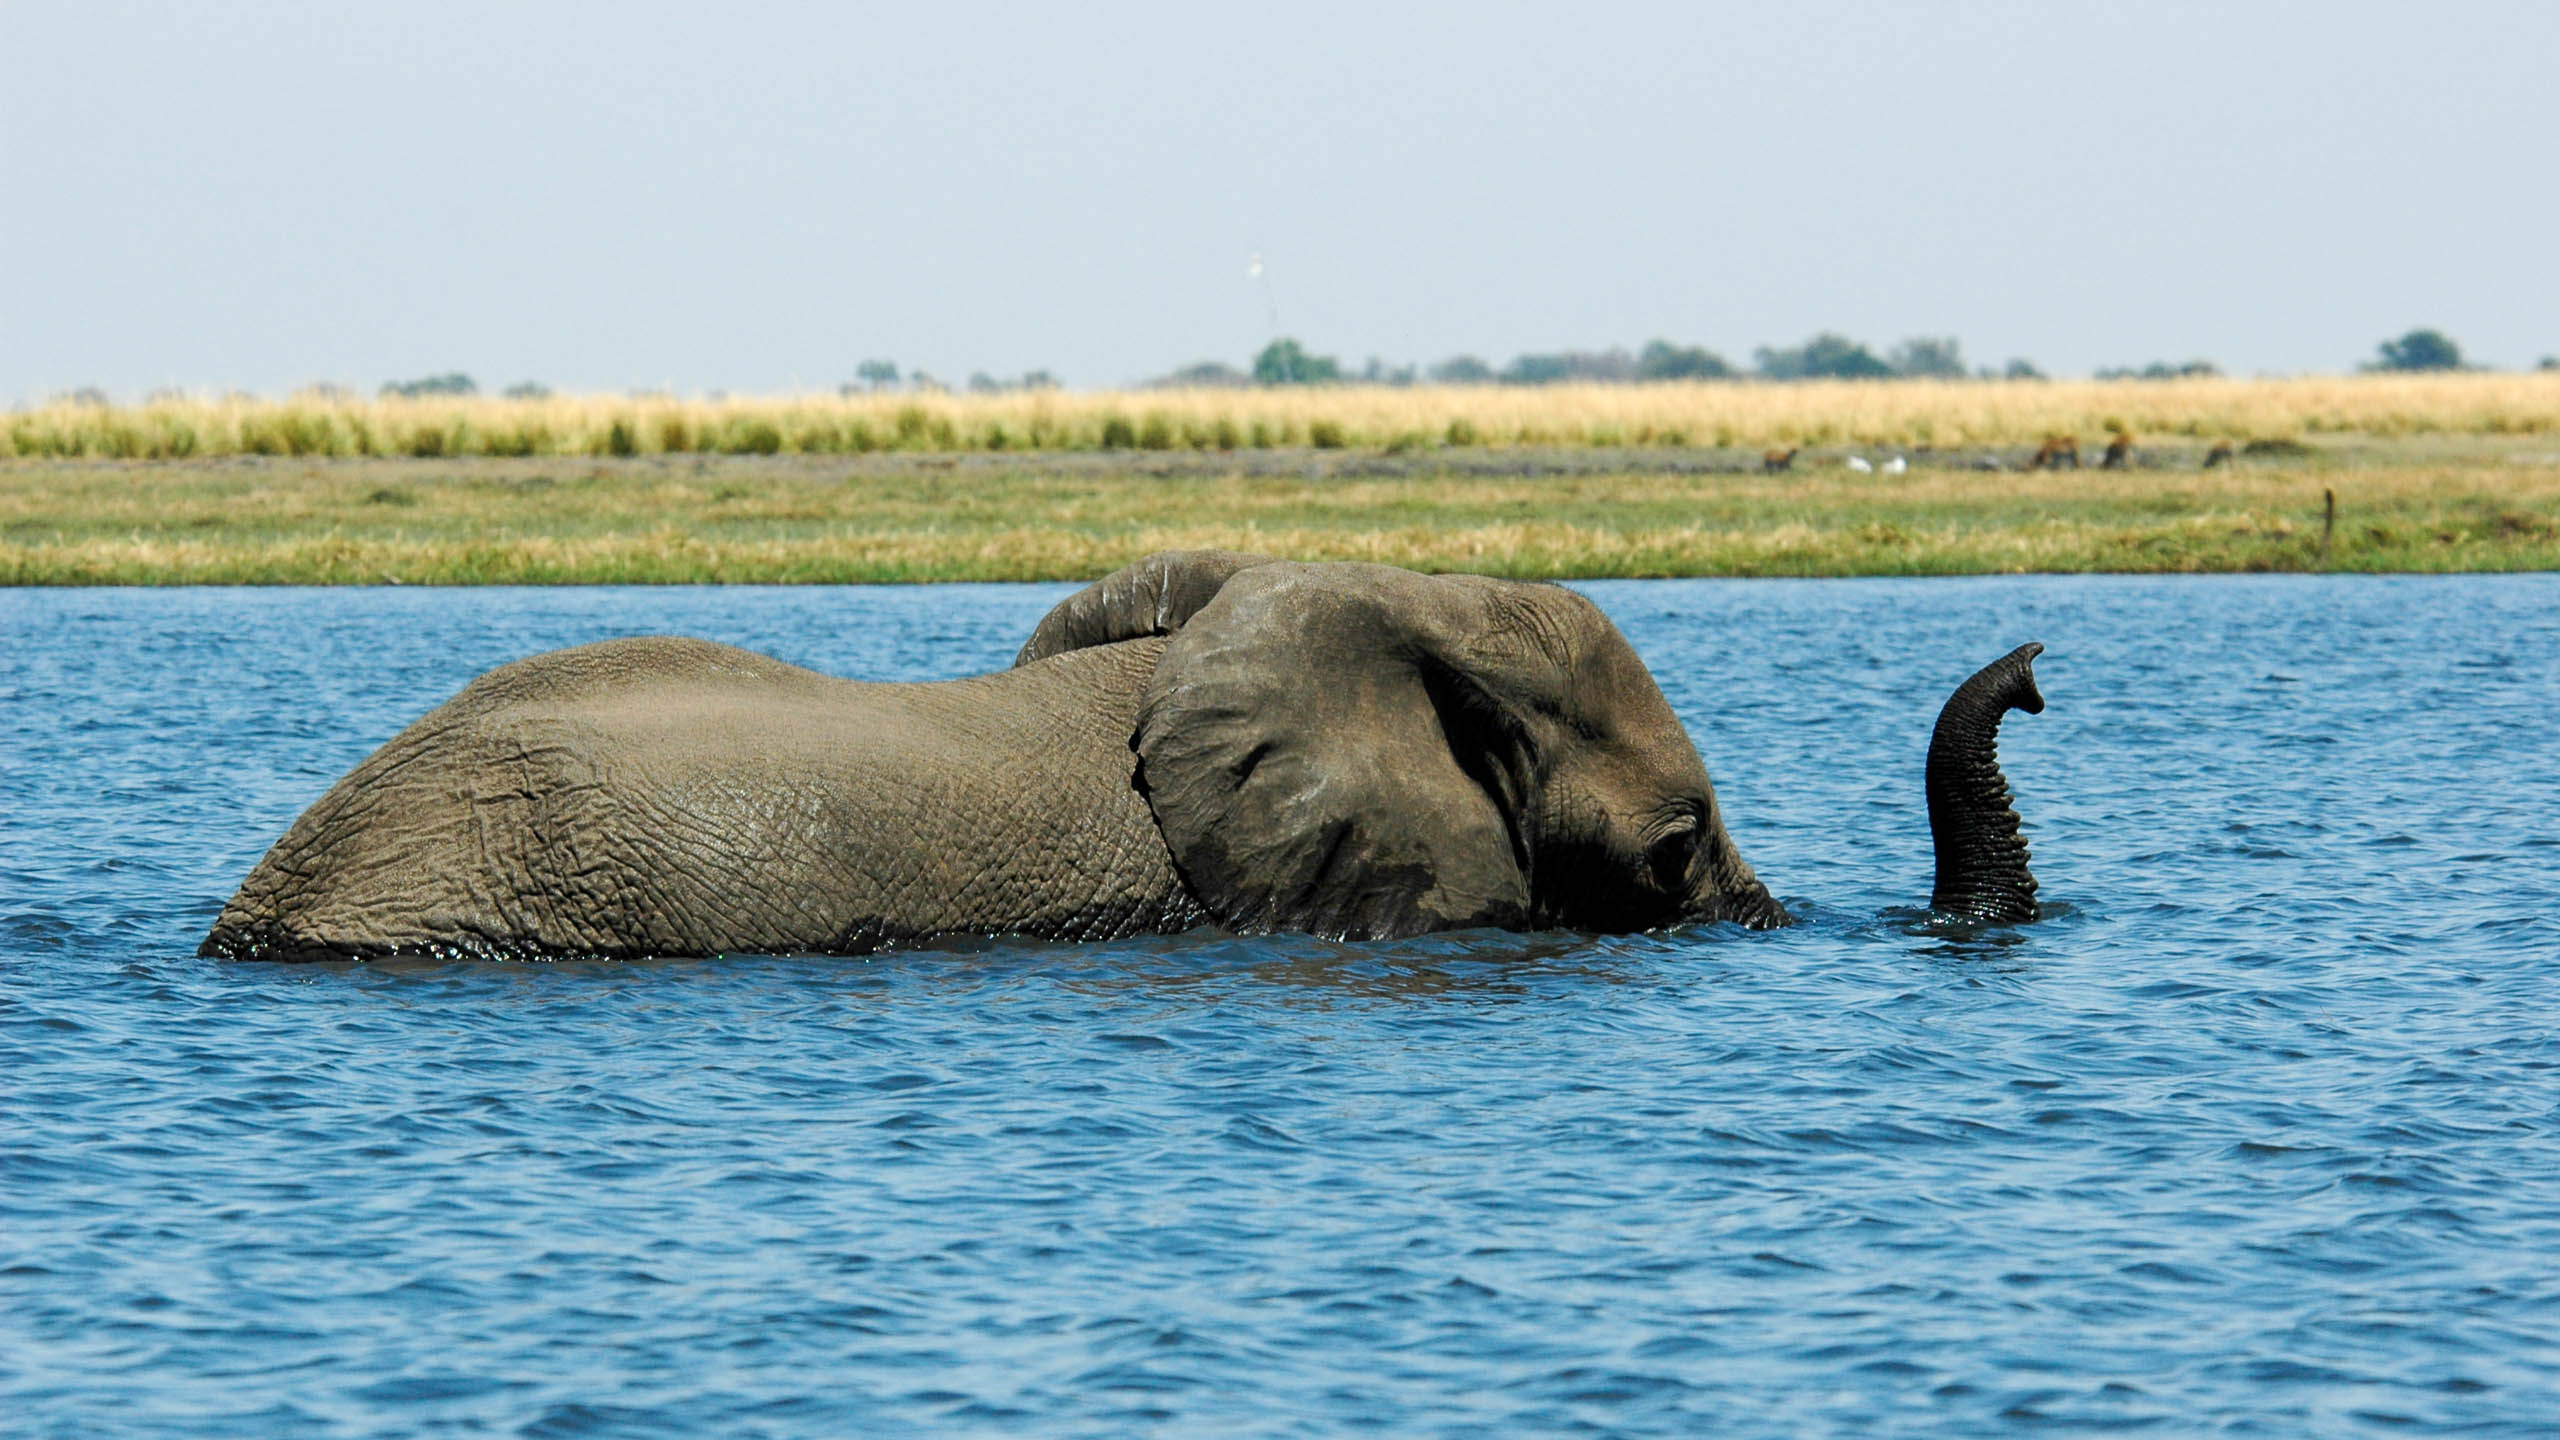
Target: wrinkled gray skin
{"type": "Point", "coordinates": [1205, 737]}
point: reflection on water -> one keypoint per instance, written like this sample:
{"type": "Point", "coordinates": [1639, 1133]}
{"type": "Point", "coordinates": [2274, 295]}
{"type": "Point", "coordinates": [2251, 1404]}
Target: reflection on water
{"type": "Point", "coordinates": [2253, 1130]}
{"type": "Point", "coordinates": [1967, 936]}
{"type": "Point", "coordinates": [1470, 964]}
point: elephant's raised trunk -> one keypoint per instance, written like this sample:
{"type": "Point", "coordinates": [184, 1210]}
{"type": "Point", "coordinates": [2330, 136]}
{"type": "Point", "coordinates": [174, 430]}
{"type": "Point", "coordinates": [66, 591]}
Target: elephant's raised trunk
{"type": "Point", "coordinates": [1982, 859]}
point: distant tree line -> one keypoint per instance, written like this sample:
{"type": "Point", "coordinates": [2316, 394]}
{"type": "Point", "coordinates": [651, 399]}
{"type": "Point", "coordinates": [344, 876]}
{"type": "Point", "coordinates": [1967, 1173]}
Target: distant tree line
{"type": "Point", "coordinates": [1285, 361]}
{"type": "Point", "coordinates": [1826, 356]}
{"type": "Point", "coordinates": [879, 377]}
{"type": "Point", "coordinates": [2161, 370]}
{"type": "Point", "coordinates": [452, 382]}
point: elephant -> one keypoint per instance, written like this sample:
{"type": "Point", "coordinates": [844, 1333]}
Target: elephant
{"type": "Point", "coordinates": [1205, 738]}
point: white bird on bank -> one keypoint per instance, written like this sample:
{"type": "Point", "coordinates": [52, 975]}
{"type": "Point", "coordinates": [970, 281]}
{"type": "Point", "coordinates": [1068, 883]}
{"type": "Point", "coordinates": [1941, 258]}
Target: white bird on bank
{"type": "Point", "coordinates": [1896, 465]}
{"type": "Point", "coordinates": [1859, 464]}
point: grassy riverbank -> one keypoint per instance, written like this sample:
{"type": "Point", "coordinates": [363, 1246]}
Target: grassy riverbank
{"type": "Point", "coordinates": [2426, 503]}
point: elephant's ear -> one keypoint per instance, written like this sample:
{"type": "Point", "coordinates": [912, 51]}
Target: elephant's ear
{"type": "Point", "coordinates": [1321, 756]}
{"type": "Point", "coordinates": [1152, 597]}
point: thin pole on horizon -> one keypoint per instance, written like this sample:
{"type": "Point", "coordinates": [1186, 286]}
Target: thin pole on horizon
{"type": "Point", "coordinates": [1270, 298]}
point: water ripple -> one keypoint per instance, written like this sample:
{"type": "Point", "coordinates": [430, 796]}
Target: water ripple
{"type": "Point", "coordinates": [2253, 1131]}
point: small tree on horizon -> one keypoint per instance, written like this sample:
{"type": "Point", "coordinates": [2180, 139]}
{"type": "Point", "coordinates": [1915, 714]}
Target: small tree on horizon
{"type": "Point", "coordinates": [1202, 375]}
{"type": "Point", "coordinates": [1826, 356]}
{"type": "Point", "coordinates": [1937, 357]}
{"type": "Point", "coordinates": [878, 374]}
{"type": "Point", "coordinates": [2161, 370]}
{"type": "Point", "coordinates": [1662, 360]}
{"type": "Point", "coordinates": [453, 382]}
{"type": "Point", "coordinates": [1605, 366]}
{"type": "Point", "coordinates": [1285, 362]}
{"type": "Point", "coordinates": [2418, 350]}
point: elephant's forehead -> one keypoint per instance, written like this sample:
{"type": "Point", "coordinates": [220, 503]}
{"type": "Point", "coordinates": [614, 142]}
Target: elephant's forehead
{"type": "Point", "coordinates": [1613, 692]}
{"type": "Point", "coordinates": [1649, 762]}
{"type": "Point", "coordinates": [1624, 739]}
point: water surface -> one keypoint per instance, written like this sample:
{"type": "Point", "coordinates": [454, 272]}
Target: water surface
{"type": "Point", "coordinates": [2257, 1134]}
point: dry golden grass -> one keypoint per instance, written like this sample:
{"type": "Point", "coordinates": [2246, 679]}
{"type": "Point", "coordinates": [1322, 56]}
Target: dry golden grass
{"type": "Point", "coordinates": [1903, 413]}
{"type": "Point", "coordinates": [910, 518]}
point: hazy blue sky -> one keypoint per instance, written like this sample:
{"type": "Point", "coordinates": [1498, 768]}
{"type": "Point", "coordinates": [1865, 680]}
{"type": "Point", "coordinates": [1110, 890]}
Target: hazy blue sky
{"type": "Point", "coordinates": [757, 197]}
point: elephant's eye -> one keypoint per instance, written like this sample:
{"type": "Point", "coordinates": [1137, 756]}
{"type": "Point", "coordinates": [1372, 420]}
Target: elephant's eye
{"type": "Point", "coordinates": [1671, 857]}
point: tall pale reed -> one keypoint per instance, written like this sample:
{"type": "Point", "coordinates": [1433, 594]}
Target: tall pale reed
{"type": "Point", "coordinates": [1901, 413]}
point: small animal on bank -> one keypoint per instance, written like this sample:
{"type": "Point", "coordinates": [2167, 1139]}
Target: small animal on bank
{"type": "Point", "coordinates": [2058, 451]}
{"type": "Point", "coordinates": [2220, 454]}
{"type": "Point", "coordinates": [1860, 464]}
{"type": "Point", "coordinates": [1896, 465]}
{"type": "Point", "coordinates": [2119, 451]}
{"type": "Point", "coordinates": [1774, 460]}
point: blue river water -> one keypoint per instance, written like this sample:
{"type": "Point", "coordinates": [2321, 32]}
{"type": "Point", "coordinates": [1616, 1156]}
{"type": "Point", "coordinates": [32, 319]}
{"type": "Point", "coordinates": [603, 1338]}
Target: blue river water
{"type": "Point", "coordinates": [2259, 1131]}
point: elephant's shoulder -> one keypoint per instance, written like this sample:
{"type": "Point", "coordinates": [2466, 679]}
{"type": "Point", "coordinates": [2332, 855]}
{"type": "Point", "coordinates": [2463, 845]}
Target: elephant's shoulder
{"type": "Point", "coordinates": [637, 662]}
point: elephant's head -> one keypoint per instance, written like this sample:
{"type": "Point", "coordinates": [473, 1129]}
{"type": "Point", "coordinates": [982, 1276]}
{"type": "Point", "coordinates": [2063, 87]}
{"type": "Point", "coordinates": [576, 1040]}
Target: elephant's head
{"type": "Point", "coordinates": [1363, 751]}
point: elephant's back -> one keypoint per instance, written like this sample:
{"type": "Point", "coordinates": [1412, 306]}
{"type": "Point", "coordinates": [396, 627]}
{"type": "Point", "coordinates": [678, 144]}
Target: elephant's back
{"type": "Point", "coordinates": [670, 796]}
{"type": "Point", "coordinates": [633, 665]}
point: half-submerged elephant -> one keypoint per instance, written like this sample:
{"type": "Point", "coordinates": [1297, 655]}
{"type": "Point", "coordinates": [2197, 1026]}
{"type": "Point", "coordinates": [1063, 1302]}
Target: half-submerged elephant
{"type": "Point", "coordinates": [1203, 738]}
